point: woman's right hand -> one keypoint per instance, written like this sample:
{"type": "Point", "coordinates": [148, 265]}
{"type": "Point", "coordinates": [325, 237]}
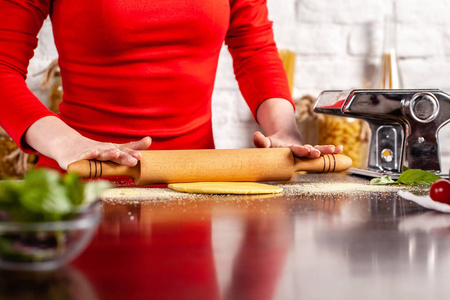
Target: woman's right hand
{"type": "Point", "coordinates": [55, 139]}
{"type": "Point", "coordinates": [126, 154]}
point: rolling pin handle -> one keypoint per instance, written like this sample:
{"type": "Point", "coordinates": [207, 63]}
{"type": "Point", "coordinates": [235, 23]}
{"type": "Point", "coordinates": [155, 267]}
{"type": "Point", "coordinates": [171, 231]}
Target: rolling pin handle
{"type": "Point", "coordinates": [324, 164]}
{"type": "Point", "coordinates": [95, 168]}
{"type": "Point", "coordinates": [329, 163]}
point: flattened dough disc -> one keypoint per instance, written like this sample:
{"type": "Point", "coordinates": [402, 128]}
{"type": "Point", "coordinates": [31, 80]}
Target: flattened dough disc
{"type": "Point", "coordinates": [246, 188]}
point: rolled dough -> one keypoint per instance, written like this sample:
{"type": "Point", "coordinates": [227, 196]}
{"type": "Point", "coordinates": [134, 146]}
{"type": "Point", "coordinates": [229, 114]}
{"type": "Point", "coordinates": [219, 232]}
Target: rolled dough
{"type": "Point", "coordinates": [246, 188]}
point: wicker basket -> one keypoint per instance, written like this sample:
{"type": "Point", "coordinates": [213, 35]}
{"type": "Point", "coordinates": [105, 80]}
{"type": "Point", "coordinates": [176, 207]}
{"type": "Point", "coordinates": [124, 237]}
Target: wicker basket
{"type": "Point", "coordinates": [14, 163]}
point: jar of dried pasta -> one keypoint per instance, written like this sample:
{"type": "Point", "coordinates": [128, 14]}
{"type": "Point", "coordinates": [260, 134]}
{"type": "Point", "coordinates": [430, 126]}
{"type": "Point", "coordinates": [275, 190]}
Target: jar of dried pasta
{"type": "Point", "coordinates": [321, 129]}
{"type": "Point", "coordinates": [14, 163]}
{"type": "Point", "coordinates": [352, 133]}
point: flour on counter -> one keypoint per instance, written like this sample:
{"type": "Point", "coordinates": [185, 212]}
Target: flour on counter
{"type": "Point", "coordinates": [145, 194]}
{"type": "Point", "coordinates": [345, 187]}
{"type": "Point", "coordinates": [155, 195]}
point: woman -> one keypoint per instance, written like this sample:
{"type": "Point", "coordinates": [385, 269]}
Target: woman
{"type": "Point", "coordinates": [140, 74]}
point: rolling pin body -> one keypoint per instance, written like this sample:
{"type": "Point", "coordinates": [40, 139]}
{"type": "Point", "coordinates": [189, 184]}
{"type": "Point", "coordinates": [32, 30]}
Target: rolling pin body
{"type": "Point", "coordinates": [171, 166]}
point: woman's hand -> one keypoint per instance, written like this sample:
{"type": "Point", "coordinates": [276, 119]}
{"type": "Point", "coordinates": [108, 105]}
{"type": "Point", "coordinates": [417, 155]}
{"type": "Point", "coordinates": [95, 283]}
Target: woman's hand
{"type": "Point", "coordinates": [55, 139]}
{"type": "Point", "coordinates": [126, 154]}
{"type": "Point", "coordinates": [276, 116]}
{"type": "Point", "coordinates": [299, 150]}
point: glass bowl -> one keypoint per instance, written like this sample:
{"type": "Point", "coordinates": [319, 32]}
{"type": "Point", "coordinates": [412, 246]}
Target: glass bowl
{"type": "Point", "coordinates": [44, 246]}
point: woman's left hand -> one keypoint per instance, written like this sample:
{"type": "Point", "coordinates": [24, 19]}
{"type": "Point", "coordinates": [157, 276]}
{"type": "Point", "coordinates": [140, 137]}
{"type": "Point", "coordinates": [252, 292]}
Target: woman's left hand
{"type": "Point", "coordinates": [299, 150]}
{"type": "Point", "coordinates": [276, 117]}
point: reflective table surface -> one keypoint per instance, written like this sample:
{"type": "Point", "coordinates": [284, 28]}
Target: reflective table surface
{"type": "Point", "coordinates": [328, 236]}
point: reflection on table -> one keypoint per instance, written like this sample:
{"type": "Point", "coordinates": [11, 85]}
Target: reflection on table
{"type": "Point", "coordinates": [344, 245]}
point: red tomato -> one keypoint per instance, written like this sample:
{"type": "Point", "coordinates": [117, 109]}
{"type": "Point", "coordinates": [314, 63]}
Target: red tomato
{"type": "Point", "coordinates": [440, 191]}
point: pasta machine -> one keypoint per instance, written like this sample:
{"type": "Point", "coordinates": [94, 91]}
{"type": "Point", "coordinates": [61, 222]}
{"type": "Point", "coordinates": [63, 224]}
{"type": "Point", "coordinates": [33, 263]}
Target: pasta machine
{"type": "Point", "coordinates": [404, 126]}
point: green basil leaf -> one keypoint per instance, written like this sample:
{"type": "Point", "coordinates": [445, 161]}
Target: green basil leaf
{"type": "Point", "coordinates": [417, 176]}
{"type": "Point", "coordinates": [385, 179]}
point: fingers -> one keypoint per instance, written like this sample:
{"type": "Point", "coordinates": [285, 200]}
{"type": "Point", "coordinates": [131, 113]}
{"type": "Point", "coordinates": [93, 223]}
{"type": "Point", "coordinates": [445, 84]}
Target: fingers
{"type": "Point", "coordinates": [299, 150]}
{"type": "Point", "coordinates": [122, 157]}
{"type": "Point", "coordinates": [91, 154]}
{"type": "Point", "coordinates": [261, 141]}
{"type": "Point", "coordinates": [113, 154]}
{"type": "Point", "coordinates": [338, 149]}
{"type": "Point", "coordinates": [126, 159]}
{"type": "Point", "coordinates": [124, 154]}
{"type": "Point", "coordinates": [132, 147]}
{"type": "Point", "coordinates": [98, 154]}
{"type": "Point", "coordinates": [108, 154]}
{"type": "Point", "coordinates": [142, 144]}
{"type": "Point", "coordinates": [309, 151]}
{"type": "Point", "coordinates": [305, 151]}
{"type": "Point", "coordinates": [316, 151]}
{"type": "Point", "coordinates": [329, 149]}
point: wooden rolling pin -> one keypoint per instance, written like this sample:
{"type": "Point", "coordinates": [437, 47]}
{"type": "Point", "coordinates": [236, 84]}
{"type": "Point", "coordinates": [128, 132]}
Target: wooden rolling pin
{"type": "Point", "coordinates": [171, 166]}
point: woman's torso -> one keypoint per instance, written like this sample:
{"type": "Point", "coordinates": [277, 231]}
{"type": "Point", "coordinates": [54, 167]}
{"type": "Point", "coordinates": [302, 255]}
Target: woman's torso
{"type": "Point", "coordinates": [137, 68]}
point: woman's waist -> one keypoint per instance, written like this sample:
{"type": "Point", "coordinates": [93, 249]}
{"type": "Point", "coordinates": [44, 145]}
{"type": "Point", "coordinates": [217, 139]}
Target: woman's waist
{"type": "Point", "coordinates": [134, 124]}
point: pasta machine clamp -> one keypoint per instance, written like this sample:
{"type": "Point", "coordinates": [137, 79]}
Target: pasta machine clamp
{"type": "Point", "coordinates": [404, 126]}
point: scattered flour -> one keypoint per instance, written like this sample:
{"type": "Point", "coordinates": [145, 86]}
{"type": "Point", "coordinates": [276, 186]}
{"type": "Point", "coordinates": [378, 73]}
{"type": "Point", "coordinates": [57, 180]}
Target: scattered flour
{"type": "Point", "coordinates": [155, 195]}
{"type": "Point", "coordinates": [345, 187]}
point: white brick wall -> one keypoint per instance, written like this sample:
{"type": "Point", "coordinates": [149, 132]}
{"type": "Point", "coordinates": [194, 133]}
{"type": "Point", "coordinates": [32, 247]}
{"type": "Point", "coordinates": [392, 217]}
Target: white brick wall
{"type": "Point", "coordinates": [338, 45]}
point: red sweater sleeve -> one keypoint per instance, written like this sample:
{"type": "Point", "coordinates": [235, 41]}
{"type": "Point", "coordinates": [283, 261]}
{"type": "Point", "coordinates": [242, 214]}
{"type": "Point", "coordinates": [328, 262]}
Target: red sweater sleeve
{"type": "Point", "coordinates": [257, 65]}
{"type": "Point", "coordinates": [20, 22]}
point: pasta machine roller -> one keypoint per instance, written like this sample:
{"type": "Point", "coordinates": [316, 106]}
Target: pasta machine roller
{"type": "Point", "coordinates": [404, 126]}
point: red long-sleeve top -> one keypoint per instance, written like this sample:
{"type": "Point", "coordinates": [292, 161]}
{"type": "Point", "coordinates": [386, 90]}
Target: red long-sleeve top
{"type": "Point", "coordinates": [137, 68]}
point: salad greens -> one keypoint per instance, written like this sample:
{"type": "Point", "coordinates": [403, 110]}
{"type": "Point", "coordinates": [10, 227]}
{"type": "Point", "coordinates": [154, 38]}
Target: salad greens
{"type": "Point", "coordinates": [45, 196]}
{"type": "Point", "coordinates": [409, 176]}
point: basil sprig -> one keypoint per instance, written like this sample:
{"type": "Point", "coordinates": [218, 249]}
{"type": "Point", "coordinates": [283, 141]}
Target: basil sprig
{"type": "Point", "coordinates": [409, 176]}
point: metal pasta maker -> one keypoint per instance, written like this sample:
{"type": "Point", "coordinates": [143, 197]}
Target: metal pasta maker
{"type": "Point", "coordinates": [404, 126]}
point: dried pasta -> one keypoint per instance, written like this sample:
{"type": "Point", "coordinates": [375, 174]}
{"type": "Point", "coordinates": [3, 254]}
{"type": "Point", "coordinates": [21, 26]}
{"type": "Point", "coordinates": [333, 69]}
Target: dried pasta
{"type": "Point", "coordinates": [324, 129]}
{"type": "Point", "coordinates": [13, 162]}
{"type": "Point", "coordinates": [344, 131]}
